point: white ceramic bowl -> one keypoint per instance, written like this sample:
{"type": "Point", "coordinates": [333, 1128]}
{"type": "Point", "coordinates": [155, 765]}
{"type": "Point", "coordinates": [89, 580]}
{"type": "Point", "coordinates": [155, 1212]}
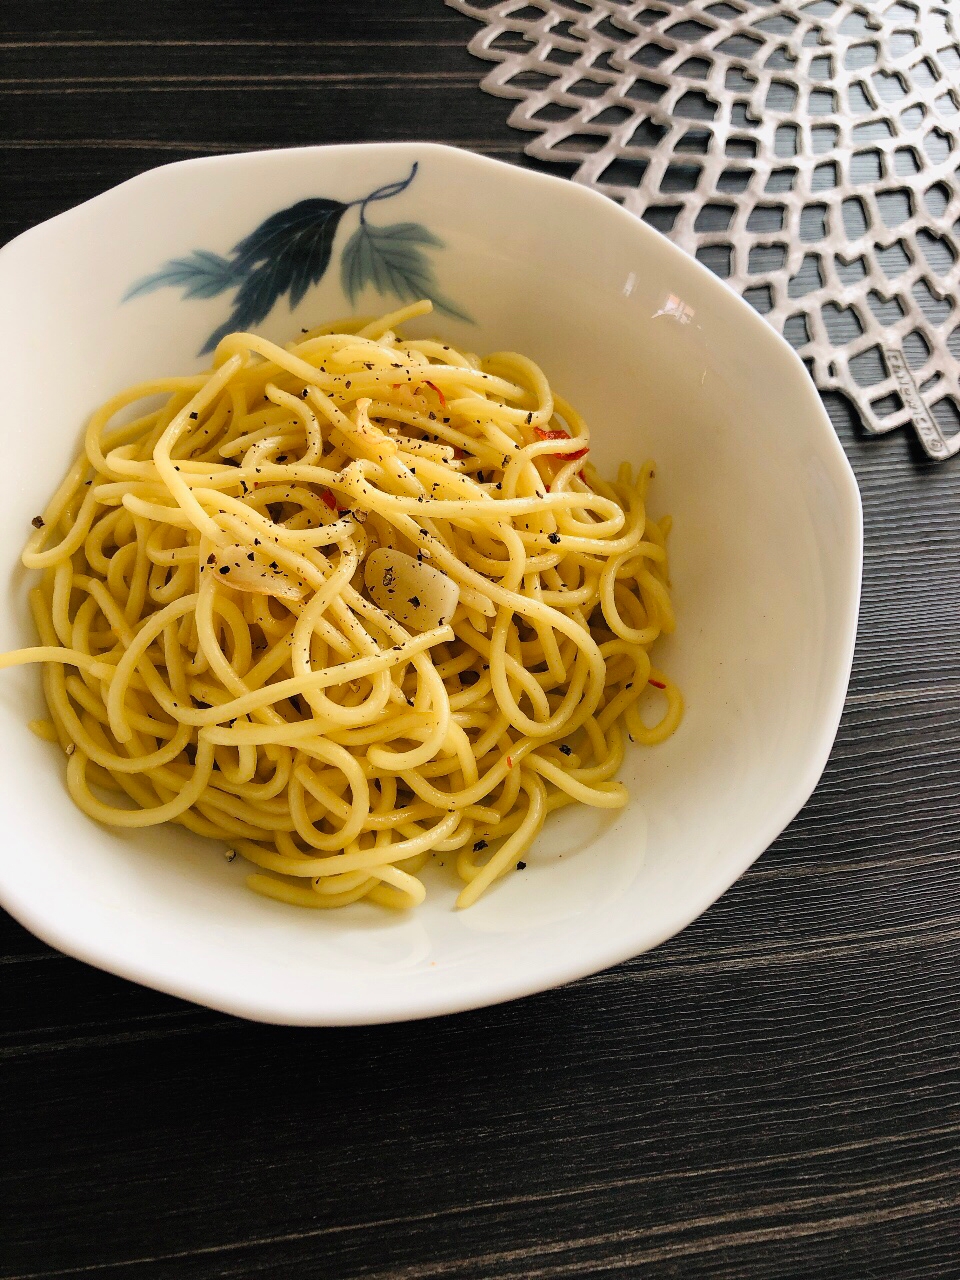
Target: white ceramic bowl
{"type": "Point", "coordinates": [664, 361]}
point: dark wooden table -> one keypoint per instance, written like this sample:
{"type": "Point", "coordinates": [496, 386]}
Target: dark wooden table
{"type": "Point", "coordinates": [775, 1093]}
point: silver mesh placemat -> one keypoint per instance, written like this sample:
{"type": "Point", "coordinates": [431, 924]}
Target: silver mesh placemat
{"type": "Point", "coordinates": [807, 152]}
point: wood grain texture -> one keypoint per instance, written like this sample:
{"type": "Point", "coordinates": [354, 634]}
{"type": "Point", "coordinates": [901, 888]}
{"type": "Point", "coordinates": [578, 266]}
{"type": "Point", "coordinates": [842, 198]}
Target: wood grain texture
{"type": "Point", "coordinates": [773, 1094]}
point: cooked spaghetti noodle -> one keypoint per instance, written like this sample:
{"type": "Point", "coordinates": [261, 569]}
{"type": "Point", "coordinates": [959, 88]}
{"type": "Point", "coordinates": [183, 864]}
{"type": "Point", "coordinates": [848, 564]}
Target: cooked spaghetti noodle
{"type": "Point", "coordinates": [345, 605]}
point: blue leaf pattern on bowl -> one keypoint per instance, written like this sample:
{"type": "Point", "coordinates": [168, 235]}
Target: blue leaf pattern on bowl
{"type": "Point", "coordinates": [290, 251]}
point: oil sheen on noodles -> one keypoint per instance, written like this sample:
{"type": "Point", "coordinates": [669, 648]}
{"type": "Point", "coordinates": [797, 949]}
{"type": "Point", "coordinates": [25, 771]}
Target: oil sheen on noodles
{"type": "Point", "coordinates": [347, 605]}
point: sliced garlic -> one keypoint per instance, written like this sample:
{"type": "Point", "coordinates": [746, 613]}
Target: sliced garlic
{"type": "Point", "coordinates": [417, 595]}
{"type": "Point", "coordinates": [363, 436]}
{"type": "Point", "coordinates": [237, 570]}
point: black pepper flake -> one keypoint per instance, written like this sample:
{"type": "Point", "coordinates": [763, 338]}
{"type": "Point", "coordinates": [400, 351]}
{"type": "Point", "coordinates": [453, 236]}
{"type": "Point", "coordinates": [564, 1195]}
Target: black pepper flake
{"type": "Point", "coordinates": [565, 750]}
{"type": "Point", "coordinates": [274, 565]}
{"type": "Point", "coordinates": [37, 522]}
{"type": "Point", "coordinates": [250, 555]}
{"type": "Point", "coordinates": [415, 601]}
{"type": "Point", "coordinates": [348, 384]}
{"type": "Point", "coordinates": [498, 485]}
{"type": "Point", "coordinates": [629, 686]}
{"type": "Point", "coordinates": [529, 418]}
{"type": "Point", "coordinates": [481, 844]}
{"type": "Point", "coordinates": [224, 568]}
{"type": "Point", "coordinates": [211, 558]}
{"type": "Point", "coordinates": [256, 542]}
{"type": "Point", "coordinates": [194, 416]}
{"type": "Point", "coordinates": [304, 393]}
{"type": "Point", "coordinates": [521, 866]}
{"type": "Point", "coordinates": [281, 457]}
{"type": "Point", "coordinates": [553, 537]}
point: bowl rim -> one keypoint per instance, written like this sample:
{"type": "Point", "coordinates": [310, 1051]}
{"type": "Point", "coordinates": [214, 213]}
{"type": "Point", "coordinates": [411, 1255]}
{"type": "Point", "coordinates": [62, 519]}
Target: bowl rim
{"type": "Point", "coordinates": [383, 1006]}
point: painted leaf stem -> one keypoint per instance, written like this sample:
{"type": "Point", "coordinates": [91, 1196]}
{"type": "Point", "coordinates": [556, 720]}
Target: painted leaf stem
{"type": "Point", "coordinates": [290, 252]}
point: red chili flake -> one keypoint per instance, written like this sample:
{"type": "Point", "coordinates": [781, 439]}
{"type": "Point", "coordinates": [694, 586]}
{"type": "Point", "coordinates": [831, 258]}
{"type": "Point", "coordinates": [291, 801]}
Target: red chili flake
{"type": "Point", "coordinates": [329, 499]}
{"type": "Point", "coordinates": [657, 684]}
{"type": "Point", "coordinates": [509, 762]}
{"type": "Point", "coordinates": [433, 385]}
{"type": "Point", "coordinates": [541, 434]}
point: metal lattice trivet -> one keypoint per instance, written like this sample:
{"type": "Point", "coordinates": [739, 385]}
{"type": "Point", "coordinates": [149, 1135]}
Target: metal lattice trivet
{"type": "Point", "coordinates": [806, 151]}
